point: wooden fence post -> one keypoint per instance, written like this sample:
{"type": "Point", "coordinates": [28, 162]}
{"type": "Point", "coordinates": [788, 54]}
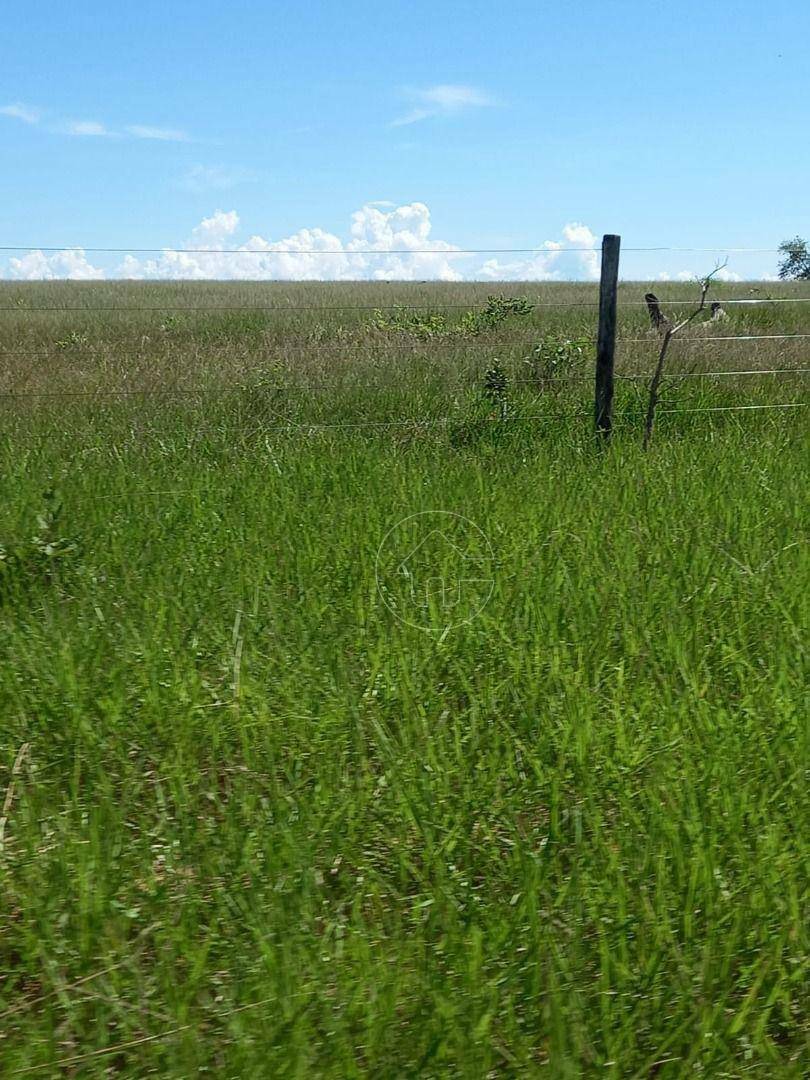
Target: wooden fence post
{"type": "Point", "coordinates": [606, 338]}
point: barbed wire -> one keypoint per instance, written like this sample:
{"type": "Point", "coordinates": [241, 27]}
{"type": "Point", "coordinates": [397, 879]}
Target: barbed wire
{"type": "Point", "coordinates": [727, 300]}
{"type": "Point", "coordinates": [738, 408]}
{"type": "Point", "coordinates": [430, 421]}
{"type": "Point", "coordinates": [426, 344]}
{"type": "Point", "coordinates": [722, 374]}
{"type": "Point", "coordinates": [448, 250]}
{"type": "Point", "coordinates": [330, 347]}
{"type": "Point", "coordinates": [729, 337]}
{"type": "Point", "coordinates": [541, 384]}
{"type": "Point", "coordinates": [415, 344]}
{"type": "Point", "coordinates": [266, 309]}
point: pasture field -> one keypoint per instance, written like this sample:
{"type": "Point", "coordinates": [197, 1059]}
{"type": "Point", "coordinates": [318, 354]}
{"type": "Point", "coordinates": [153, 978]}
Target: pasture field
{"type": "Point", "coordinates": [260, 826]}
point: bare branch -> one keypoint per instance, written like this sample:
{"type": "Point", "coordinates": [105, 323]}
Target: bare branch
{"type": "Point", "coordinates": [658, 319]}
{"type": "Point", "coordinates": [669, 334]}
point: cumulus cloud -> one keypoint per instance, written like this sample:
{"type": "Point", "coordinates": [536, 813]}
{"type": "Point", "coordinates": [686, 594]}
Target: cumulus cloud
{"type": "Point", "coordinates": [720, 275]}
{"type": "Point", "coordinates": [383, 242]}
{"type": "Point", "coordinates": [399, 238]}
{"type": "Point", "coordinates": [18, 111]}
{"type": "Point", "coordinates": [442, 100]}
{"type": "Point", "coordinates": [214, 230]}
{"type": "Point", "coordinates": [727, 275]}
{"type": "Point", "coordinates": [37, 266]}
{"type": "Point", "coordinates": [551, 262]}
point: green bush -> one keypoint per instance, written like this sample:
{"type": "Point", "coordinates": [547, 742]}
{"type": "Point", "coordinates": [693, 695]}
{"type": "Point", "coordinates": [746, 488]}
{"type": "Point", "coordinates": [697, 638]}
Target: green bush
{"type": "Point", "coordinates": [428, 324]}
{"type": "Point", "coordinates": [555, 358]}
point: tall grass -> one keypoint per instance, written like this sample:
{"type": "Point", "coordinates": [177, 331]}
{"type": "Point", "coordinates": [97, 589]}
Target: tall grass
{"type": "Point", "coordinates": [264, 828]}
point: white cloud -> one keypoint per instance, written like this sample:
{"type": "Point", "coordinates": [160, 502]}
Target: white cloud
{"type": "Point", "coordinates": [85, 127]}
{"type": "Point", "coordinates": [201, 178]}
{"type": "Point", "coordinates": [384, 243]}
{"type": "Point", "coordinates": [129, 268]}
{"type": "Point", "coordinates": [37, 266]}
{"type": "Point", "coordinates": [450, 98]}
{"type": "Point", "coordinates": [442, 100]}
{"type": "Point", "coordinates": [550, 262]}
{"type": "Point", "coordinates": [144, 131]}
{"type": "Point", "coordinates": [213, 231]}
{"type": "Point", "coordinates": [401, 236]}
{"type": "Point", "coordinates": [28, 114]}
{"type": "Point", "coordinates": [720, 275]}
{"type": "Point", "coordinates": [18, 111]}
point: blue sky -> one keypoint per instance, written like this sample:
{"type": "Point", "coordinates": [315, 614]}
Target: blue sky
{"type": "Point", "coordinates": [680, 124]}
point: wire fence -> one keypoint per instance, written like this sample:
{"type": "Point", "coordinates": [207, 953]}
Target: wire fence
{"type": "Point", "coordinates": [403, 341]}
{"type": "Point", "coordinates": [416, 423]}
{"type": "Point", "coordinates": [437, 249]}
{"type": "Point", "coordinates": [347, 349]}
{"type": "Point", "coordinates": [332, 386]}
{"type": "Point", "coordinates": [438, 305]}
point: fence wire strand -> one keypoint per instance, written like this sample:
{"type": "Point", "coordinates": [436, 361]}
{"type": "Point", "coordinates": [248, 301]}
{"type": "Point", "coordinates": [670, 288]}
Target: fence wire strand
{"type": "Point", "coordinates": [539, 384]}
{"type": "Point", "coordinates": [269, 309]}
{"type": "Point", "coordinates": [347, 349]}
{"type": "Point", "coordinates": [402, 344]}
{"type": "Point", "coordinates": [446, 251]}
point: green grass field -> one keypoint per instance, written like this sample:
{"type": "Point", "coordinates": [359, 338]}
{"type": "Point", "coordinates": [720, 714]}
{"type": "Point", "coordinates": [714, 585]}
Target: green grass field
{"type": "Point", "coordinates": [260, 826]}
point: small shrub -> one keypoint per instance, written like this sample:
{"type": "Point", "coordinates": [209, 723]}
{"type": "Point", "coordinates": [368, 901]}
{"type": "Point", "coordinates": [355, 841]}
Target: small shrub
{"type": "Point", "coordinates": [402, 320]}
{"type": "Point", "coordinates": [488, 406]}
{"type": "Point", "coordinates": [428, 324]}
{"type": "Point", "coordinates": [496, 311]}
{"type": "Point", "coordinates": [554, 358]}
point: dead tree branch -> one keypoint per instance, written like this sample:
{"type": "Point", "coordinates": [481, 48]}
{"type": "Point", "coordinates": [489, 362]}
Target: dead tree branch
{"type": "Point", "coordinates": [670, 332]}
{"type": "Point", "coordinates": [658, 319]}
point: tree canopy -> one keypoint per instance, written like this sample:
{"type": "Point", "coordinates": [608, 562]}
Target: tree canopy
{"type": "Point", "coordinates": [796, 262]}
